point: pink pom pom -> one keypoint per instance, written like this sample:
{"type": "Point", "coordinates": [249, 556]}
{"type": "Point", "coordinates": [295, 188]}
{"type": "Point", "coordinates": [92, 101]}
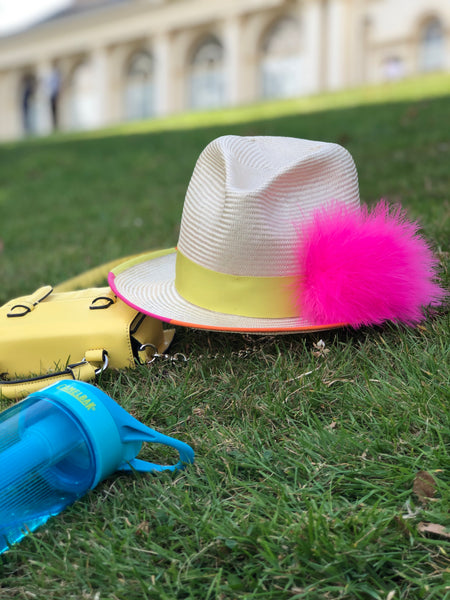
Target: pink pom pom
{"type": "Point", "coordinates": [363, 268]}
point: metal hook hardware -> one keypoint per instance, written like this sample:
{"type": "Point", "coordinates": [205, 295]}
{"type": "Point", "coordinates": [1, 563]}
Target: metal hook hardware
{"type": "Point", "coordinates": [177, 357]}
{"type": "Point", "coordinates": [84, 361]}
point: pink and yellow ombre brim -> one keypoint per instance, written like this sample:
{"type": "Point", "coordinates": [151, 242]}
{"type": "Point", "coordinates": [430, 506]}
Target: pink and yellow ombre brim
{"type": "Point", "coordinates": [167, 285]}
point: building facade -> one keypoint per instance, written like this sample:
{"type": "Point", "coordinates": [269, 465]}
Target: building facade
{"type": "Point", "coordinates": [102, 62]}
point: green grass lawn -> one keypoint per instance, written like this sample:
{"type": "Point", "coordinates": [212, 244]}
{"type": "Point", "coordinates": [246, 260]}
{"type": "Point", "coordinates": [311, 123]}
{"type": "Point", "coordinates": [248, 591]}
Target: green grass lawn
{"type": "Point", "coordinates": [305, 484]}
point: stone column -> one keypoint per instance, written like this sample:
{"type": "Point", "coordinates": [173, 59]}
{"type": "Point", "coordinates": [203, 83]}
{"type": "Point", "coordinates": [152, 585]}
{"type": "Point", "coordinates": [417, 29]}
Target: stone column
{"type": "Point", "coordinates": [11, 126]}
{"type": "Point", "coordinates": [364, 71]}
{"type": "Point", "coordinates": [163, 75]}
{"type": "Point", "coordinates": [312, 16]}
{"type": "Point", "coordinates": [43, 113]}
{"type": "Point", "coordinates": [232, 37]}
{"type": "Point", "coordinates": [336, 40]}
{"type": "Point", "coordinates": [116, 81]}
{"type": "Point", "coordinates": [249, 56]}
{"type": "Point", "coordinates": [178, 92]}
{"type": "Point", "coordinates": [102, 105]}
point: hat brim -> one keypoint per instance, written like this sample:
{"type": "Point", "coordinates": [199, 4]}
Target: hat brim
{"type": "Point", "coordinates": [147, 283]}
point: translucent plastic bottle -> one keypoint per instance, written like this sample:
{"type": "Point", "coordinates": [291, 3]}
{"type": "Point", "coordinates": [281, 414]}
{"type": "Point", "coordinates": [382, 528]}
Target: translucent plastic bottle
{"type": "Point", "coordinates": [61, 442]}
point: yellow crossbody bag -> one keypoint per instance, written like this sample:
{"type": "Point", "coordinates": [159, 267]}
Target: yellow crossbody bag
{"type": "Point", "coordinates": [48, 336]}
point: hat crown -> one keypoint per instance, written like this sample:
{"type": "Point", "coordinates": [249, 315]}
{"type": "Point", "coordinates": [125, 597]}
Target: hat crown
{"type": "Point", "coordinates": [248, 195]}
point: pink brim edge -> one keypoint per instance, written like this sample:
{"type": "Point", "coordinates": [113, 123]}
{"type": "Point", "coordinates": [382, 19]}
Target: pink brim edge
{"type": "Point", "coordinates": [111, 282]}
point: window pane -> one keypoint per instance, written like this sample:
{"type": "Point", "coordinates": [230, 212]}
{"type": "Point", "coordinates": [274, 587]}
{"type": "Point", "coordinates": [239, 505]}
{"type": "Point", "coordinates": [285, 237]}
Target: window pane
{"type": "Point", "coordinates": [206, 76]}
{"type": "Point", "coordinates": [281, 63]}
{"type": "Point", "coordinates": [139, 87]}
{"type": "Point", "coordinates": [432, 47]}
{"type": "Point", "coordinates": [82, 97]}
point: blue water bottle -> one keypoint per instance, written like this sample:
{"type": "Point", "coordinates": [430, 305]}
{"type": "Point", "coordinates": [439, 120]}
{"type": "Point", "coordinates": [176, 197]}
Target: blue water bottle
{"type": "Point", "coordinates": [59, 443]}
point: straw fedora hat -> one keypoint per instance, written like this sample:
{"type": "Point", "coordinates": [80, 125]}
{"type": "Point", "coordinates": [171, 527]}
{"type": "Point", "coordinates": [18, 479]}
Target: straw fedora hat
{"type": "Point", "coordinates": [239, 264]}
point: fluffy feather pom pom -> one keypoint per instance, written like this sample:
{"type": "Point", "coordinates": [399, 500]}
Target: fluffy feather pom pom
{"type": "Point", "coordinates": [363, 268]}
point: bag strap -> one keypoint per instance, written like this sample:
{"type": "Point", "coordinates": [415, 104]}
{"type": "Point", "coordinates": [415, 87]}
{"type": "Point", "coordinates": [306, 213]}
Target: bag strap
{"type": "Point", "coordinates": [93, 277]}
{"type": "Point", "coordinates": [95, 362]}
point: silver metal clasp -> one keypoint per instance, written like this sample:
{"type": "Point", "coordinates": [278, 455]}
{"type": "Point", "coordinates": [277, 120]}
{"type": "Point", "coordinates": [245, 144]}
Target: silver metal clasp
{"type": "Point", "coordinates": [177, 357]}
{"type": "Point", "coordinates": [84, 361]}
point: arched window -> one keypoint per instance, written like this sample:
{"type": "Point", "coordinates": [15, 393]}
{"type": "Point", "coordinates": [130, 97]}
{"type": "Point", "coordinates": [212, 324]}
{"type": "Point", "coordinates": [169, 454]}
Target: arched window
{"type": "Point", "coordinates": [281, 62]}
{"type": "Point", "coordinates": [432, 50]}
{"type": "Point", "coordinates": [82, 97]}
{"type": "Point", "coordinates": [139, 86]}
{"type": "Point", "coordinates": [28, 91]}
{"type": "Point", "coordinates": [206, 75]}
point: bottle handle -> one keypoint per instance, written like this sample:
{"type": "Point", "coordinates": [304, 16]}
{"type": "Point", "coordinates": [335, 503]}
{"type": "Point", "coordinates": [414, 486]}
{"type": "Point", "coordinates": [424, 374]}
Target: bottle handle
{"type": "Point", "coordinates": [145, 434]}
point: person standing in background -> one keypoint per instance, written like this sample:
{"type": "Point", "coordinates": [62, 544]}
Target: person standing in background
{"type": "Point", "coordinates": [54, 88]}
{"type": "Point", "coordinates": [28, 93]}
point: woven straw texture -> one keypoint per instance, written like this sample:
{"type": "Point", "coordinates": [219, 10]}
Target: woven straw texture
{"type": "Point", "coordinates": [246, 195]}
{"type": "Point", "coordinates": [245, 202]}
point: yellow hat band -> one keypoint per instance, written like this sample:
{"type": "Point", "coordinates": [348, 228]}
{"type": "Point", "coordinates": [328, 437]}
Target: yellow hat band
{"type": "Point", "coordinates": [263, 297]}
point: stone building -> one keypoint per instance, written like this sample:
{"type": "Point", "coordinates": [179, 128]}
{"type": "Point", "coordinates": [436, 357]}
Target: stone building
{"type": "Point", "coordinates": [101, 62]}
